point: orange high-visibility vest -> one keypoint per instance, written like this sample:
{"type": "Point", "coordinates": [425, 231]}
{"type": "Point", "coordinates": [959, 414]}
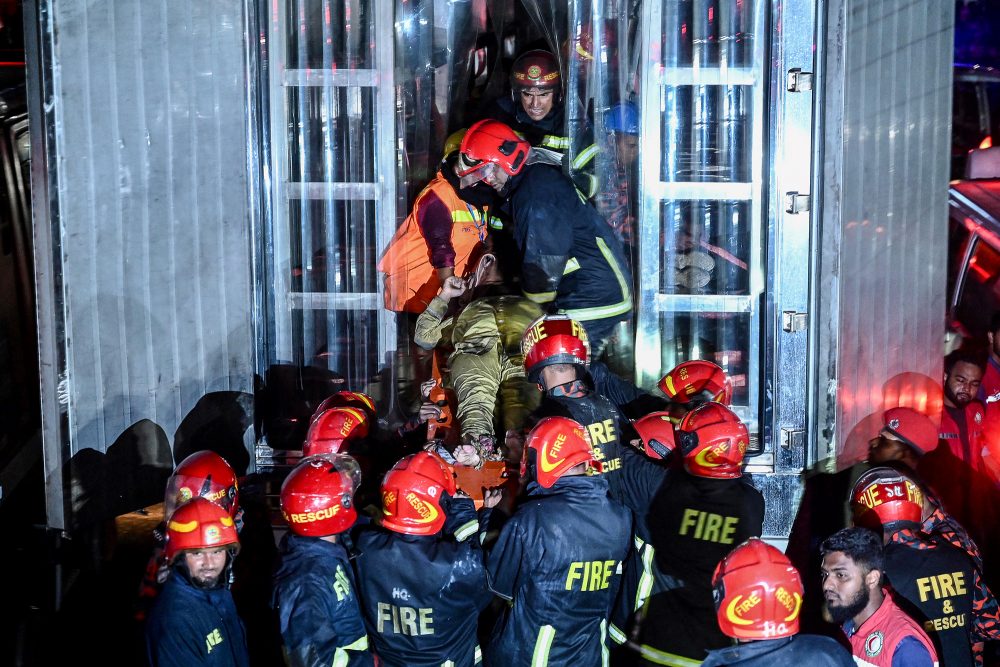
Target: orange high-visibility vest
{"type": "Point", "coordinates": [411, 281]}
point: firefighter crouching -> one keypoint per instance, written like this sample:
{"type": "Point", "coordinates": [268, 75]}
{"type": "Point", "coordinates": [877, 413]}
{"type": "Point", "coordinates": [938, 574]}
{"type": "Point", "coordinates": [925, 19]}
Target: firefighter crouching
{"type": "Point", "coordinates": [558, 559]}
{"type": "Point", "coordinates": [421, 575]}
{"type": "Point", "coordinates": [314, 590]}
{"type": "Point", "coordinates": [194, 620]}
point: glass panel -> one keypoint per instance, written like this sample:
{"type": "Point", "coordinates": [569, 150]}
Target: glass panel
{"type": "Point", "coordinates": [958, 240]}
{"type": "Point", "coordinates": [723, 338]}
{"type": "Point", "coordinates": [330, 35]}
{"type": "Point", "coordinates": [333, 248]}
{"type": "Point", "coordinates": [706, 247]}
{"type": "Point", "coordinates": [981, 291]}
{"type": "Point", "coordinates": [330, 134]}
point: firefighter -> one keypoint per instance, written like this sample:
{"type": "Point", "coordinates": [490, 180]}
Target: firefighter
{"type": "Point", "coordinates": [535, 110]}
{"type": "Point", "coordinates": [758, 598]}
{"type": "Point", "coordinates": [194, 620]}
{"type": "Point", "coordinates": [314, 590]}
{"type": "Point", "coordinates": [203, 474]}
{"type": "Point", "coordinates": [879, 631]}
{"type": "Point", "coordinates": [445, 227]}
{"type": "Point", "coordinates": [693, 516]}
{"type": "Point", "coordinates": [617, 202]}
{"type": "Point", "coordinates": [694, 383]}
{"type": "Point", "coordinates": [558, 559]}
{"type": "Point", "coordinates": [333, 430]}
{"type": "Point", "coordinates": [936, 582]}
{"type": "Point", "coordinates": [572, 260]}
{"type": "Point", "coordinates": [421, 575]}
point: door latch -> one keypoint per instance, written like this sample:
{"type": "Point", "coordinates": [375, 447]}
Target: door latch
{"type": "Point", "coordinates": [798, 81]}
{"type": "Point", "coordinates": [793, 322]}
{"type": "Point", "coordinates": [796, 202]}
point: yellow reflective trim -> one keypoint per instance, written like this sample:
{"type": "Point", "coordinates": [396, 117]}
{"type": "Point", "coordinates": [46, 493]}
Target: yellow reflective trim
{"type": "Point", "coordinates": [585, 156]}
{"type": "Point", "coordinates": [605, 656]}
{"type": "Point", "coordinates": [659, 657]}
{"type": "Point", "coordinates": [646, 580]}
{"type": "Point", "coordinates": [571, 266]}
{"type": "Point", "coordinates": [600, 312]}
{"type": "Point", "coordinates": [540, 656]}
{"type": "Point", "coordinates": [464, 531]}
{"type": "Point", "coordinates": [448, 663]}
{"type": "Point", "coordinates": [616, 634]}
{"type": "Point", "coordinates": [554, 141]}
{"type": "Point", "coordinates": [479, 655]}
{"type": "Point", "coordinates": [541, 297]}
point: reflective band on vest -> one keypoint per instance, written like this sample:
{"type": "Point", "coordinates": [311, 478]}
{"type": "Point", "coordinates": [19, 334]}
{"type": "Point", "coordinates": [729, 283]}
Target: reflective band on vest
{"type": "Point", "coordinates": [540, 657]}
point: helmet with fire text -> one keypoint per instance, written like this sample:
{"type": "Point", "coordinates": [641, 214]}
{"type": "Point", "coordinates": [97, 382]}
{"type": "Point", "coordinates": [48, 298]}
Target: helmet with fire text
{"type": "Point", "coordinates": [886, 499]}
{"type": "Point", "coordinates": [412, 491]}
{"type": "Point", "coordinates": [713, 441]}
{"type": "Point", "coordinates": [199, 524]}
{"type": "Point", "coordinates": [348, 399]}
{"type": "Point", "coordinates": [317, 497]}
{"type": "Point", "coordinates": [554, 339]}
{"type": "Point", "coordinates": [203, 474]}
{"type": "Point", "coordinates": [696, 382]}
{"type": "Point", "coordinates": [757, 592]}
{"type": "Point", "coordinates": [535, 69]}
{"type": "Point", "coordinates": [332, 429]}
{"type": "Point", "coordinates": [554, 447]}
{"type": "Point", "coordinates": [487, 146]}
{"type": "Point", "coordinates": [656, 431]}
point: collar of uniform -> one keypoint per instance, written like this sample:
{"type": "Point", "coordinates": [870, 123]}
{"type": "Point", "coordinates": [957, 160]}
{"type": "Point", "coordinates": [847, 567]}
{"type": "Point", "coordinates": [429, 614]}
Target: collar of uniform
{"type": "Point", "coordinates": [587, 485]}
{"type": "Point", "coordinates": [750, 650]}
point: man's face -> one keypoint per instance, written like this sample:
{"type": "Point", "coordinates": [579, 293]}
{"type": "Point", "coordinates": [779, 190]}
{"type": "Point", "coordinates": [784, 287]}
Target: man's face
{"type": "Point", "coordinates": [496, 178]}
{"type": "Point", "coordinates": [627, 147]}
{"type": "Point", "coordinates": [886, 447]}
{"type": "Point", "coordinates": [961, 385]}
{"type": "Point", "coordinates": [537, 102]}
{"type": "Point", "coordinates": [844, 586]}
{"type": "Point", "coordinates": [205, 566]}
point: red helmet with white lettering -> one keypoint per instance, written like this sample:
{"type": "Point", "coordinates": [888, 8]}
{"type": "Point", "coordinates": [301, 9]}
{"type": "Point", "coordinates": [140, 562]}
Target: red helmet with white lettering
{"type": "Point", "coordinates": [656, 430]}
{"type": "Point", "coordinates": [757, 592]}
{"type": "Point", "coordinates": [535, 69]}
{"type": "Point", "coordinates": [554, 447]}
{"type": "Point", "coordinates": [202, 474]}
{"type": "Point", "coordinates": [886, 498]}
{"type": "Point", "coordinates": [317, 497]}
{"type": "Point", "coordinates": [348, 399]}
{"type": "Point", "coordinates": [554, 339]}
{"type": "Point", "coordinates": [334, 427]}
{"type": "Point", "coordinates": [713, 441]}
{"type": "Point", "coordinates": [199, 524]}
{"type": "Point", "coordinates": [489, 144]}
{"type": "Point", "coordinates": [696, 382]}
{"type": "Point", "coordinates": [411, 494]}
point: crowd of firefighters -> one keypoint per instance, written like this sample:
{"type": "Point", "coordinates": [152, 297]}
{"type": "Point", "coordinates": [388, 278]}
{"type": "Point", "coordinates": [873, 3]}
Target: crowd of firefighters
{"type": "Point", "coordinates": [556, 514]}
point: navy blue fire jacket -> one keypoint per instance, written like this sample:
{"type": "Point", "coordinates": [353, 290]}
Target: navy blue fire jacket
{"type": "Point", "coordinates": [571, 255]}
{"type": "Point", "coordinates": [811, 650]}
{"type": "Point", "coordinates": [421, 594]}
{"type": "Point", "coordinates": [190, 627]}
{"type": "Point", "coordinates": [558, 561]}
{"type": "Point", "coordinates": [317, 608]}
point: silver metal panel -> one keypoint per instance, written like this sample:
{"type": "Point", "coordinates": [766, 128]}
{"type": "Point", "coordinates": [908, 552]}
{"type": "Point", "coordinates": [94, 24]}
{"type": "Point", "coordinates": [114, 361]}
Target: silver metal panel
{"type": "Point", "coordinates": [148, 174]}
{"type": "Point", "coordinates": [878, 310]}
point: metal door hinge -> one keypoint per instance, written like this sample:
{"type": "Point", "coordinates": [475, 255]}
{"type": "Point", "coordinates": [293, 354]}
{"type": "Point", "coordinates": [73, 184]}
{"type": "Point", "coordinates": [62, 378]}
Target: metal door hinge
{"type": "Point", "coordinates": [796, 202]}
{"type": "Point", "coordinates": [793, 438]}
{"type": "Point", "coordinates": [793, 322]}
{"type": "Point", "coordinates": [798, 81]}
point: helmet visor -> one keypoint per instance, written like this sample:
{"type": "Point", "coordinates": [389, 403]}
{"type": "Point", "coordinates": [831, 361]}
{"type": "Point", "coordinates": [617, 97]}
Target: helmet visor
{"type": "Point", "coordinates": [469, 174]}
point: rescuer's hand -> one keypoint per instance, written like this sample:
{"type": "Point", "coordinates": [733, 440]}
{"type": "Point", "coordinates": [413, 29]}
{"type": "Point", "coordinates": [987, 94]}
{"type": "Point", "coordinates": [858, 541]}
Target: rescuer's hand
{"type": "Point", "coordinates": [491, 497]}
{"type": "Point", "coordinates": [453, 287]}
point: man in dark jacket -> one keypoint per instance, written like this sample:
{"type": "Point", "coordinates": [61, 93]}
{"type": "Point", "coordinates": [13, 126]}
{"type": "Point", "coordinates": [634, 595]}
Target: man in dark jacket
{"type": "Point", "coordinates": [558, 559]}
{"type": "Point", "coordinates": [194, 620]}
{"type": "Point", "coordinates": [421, 575]}
{"type": "Point", "coordinates": [573, 262]}
{"type": "Point", "coordinates": [314, 591]}
{"type": "Point", "coordinates": [758, 598]}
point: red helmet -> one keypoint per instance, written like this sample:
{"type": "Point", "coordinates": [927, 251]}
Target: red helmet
{"type": "Point", "coordinates": [554, 339]}
{"type": "Point", "coordinates": [558, 443]}
{"type": "Point", "coordinates": [317, 497]}
{"type": "Point", "coordinates": [885, 498]}
{"type": "Point", "coordinates": [656, 430]}
{"type": "Point", "coordinates": [202, 474]}
{"type": "Point", "coordinates": [490, 143]}
{"type": "Point", "coordinates": [758, 592]}
{"type": "Point", "coordinates": [713, 440]}
{"type": "Point", "coordinates": [697, 382]}
{"type": "Point", "coordinates": [199, 524]}
{"type": "Point", "coordinates": [535, 69]}
{"type": "Point", "coordinates": [912, 427]}
{"type": "Point", "coordinates": [347, 399]}
{"type": "Point", "coordinates": [411, 494]}
{"type": "Point", "coordinates": [332, 429]}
